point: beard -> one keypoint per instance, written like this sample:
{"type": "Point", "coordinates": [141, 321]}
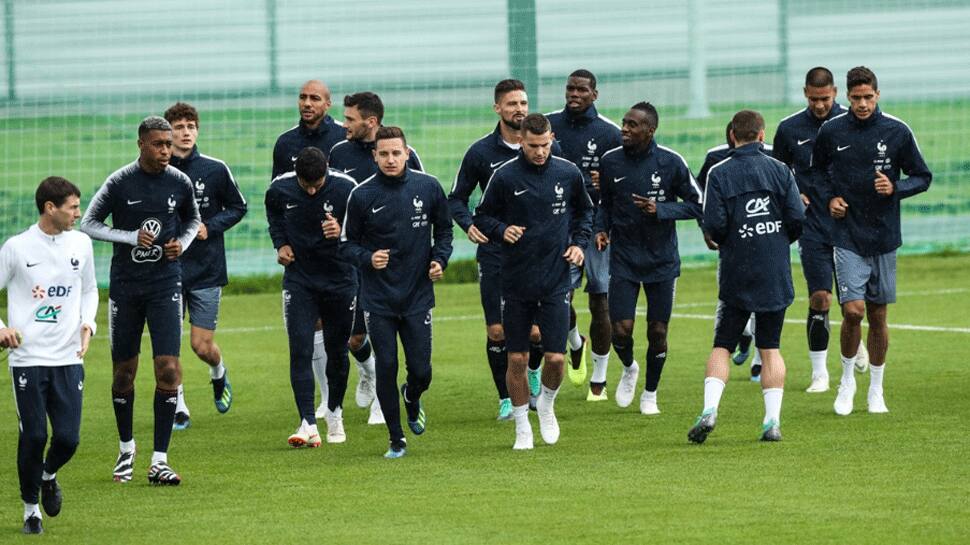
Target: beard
{"type": "Point", "coordinates": [512, 124]}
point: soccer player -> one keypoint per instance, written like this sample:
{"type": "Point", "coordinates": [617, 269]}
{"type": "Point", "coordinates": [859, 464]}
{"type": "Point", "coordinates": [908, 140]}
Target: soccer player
{"type": "Point", "coordinates": [363, 113]}
{"type": "Point", "coordinates": [398, 232]}
{"type": "Point", "coordinates": [301, 208]}
{"type": "Point", "coordinates": [316, 128]}
{"type": "Point", "coordinates": [477, 166]}
{"type": "Point", "coordinates": [858, 160]}
{"type": "Point", "coordinates": [537, 205]}
{"type": "Point", "coordinates": [644, 189]}
{"type": "Point", "coordinates": [52, 300]}
{"type": "Point", "coordinates": [793, 145]}
{"type": "Point", "coordinates": [221, 206]}
{"type": "Point", "coordinates": [154, 219]}
{"type": "Point", "coordinates": [753, 212]}
{"type": "Point", "coordinates": [585, 135]}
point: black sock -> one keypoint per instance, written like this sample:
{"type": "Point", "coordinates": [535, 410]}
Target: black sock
{"type": "Point", "coordinates": [124, 405]}
{"type": "Point", "coordinates": [817, 329]}
{"type": "Point", "coordinates": [164, 417]}
{"type": "Point", "coordinates": [624, 349]}
{"type": "Point", "coordinates": [655, 366]}
{"type": "Point", "coordinates": [498, 361]}
{"type": "Point", "coordinates": [535, 356]}
{"type": "Point", "coordinates": [362, 353]}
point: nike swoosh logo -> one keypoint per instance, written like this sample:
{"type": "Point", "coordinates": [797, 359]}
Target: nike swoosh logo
{"type": "Point", "coordinates": [291, 206]}
{"type": "Point", "coordinates": [615, 180]}
{"type": "Point", "coordinates": [349, 170]}
{"type": "Point", "coordinates": [293, 158]}
{"type": "Point", "coordinates": [843, 148]}
{"type": "Point", "coordinates": [33, 264]}
{"type": "Point", "coordinates": [517, 193]}
{"type": "Point", "coordinates": [133, 202]}
{"type": "Point", "coordinates": [493, 165]}
{"type": "Point", "coordinates": [800, 142]}
{"type": "Point", "coordinates": [376, 210]}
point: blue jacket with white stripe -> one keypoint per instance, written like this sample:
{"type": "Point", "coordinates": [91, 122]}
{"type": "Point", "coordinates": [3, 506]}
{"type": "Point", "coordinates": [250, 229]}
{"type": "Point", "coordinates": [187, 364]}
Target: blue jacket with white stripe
{"type": "Point", "coordinates": [584, 139]}
{"type": "Point", "coordinates": [355, 158]}
{"type": "Point", "coordinates": [291, 143]}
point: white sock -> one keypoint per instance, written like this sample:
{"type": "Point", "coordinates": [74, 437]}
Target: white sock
{"type": "Point", "coordinates": [772, 404]}
{"type": "Point", "coordinates": [126, 446]}
{"type": "Point", "coordinates": [573, 339]}
{"type": "Point", "coordinates": [180, 406]}
{"type": "Point", "coordinates": [31, 509]}
{"type": "Point", "coordinates": [319, 362]}
{"type": "Point", "coordinates": [159, 457]}
{"type": "Point", "coordinates": [311, 430]}
{"type": "Point", "coordinates": [48, 476]}
{"type": "Point", "coordinates": [749, 327]}
{"type": "Point", "coordinates": [600, 363]}
{"type": "Point", "coordinates": [650, 396]}
{"type": "Point", "coordinates": [848, 371]}
{"type": "Point", "coordinates": [756, 360]}
{"type": "Point", "coordinates": [368, 366]}
{"type": "Point", "coordinates": [521, 416]}
{"type": "Point", "coordinates": [713, 388]}
{"type": "Point", "coordinates": [548, 393]}
{"type": "Point", "coordinates": [218, 371]}
{"type": "Point", "coordinates": [875, 377]}
{"type": "Point", "coordinates": [818, 357]}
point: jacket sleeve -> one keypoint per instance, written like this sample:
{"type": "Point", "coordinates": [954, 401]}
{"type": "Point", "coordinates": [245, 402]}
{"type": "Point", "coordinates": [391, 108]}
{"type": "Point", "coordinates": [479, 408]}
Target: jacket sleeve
{"type": "Point", "coordinates": [461, 191]}
{"type": "Point", "coordinates": [274, 217]}
{"type": "Point", "coordinates": [281, 161]}
{"type": "Point", "coordinates": [581, 224]}
{"type": "Point", "coordinates": [442, 231]}
{"type": "Point", "coordinates": [912, 164]}
{"type": "Point", "coordinates": [233, 203]}
{"type": "Point", "coordinates": [89, 290]}
{"type": "Point", "coordinates": [715, 210]}
{"type": "Point", "coordinates": [414, 161]}
{"type": "Point", "coordinates": [793, 213]}
{"type": "Point", "coordinates": [92, 224]}
{"type": "Point", "coordinates": [689, 193]}
{"type": "Point", "coordinates": [603, 220]}
{"type": "Point", "coordinates": [188, 216]}
{"type": "Point", "coordinates": [489, 210]}
{"type": "Point", "coordinates": [351, 237]}
{"type": "Point", "coordinates": [821, 178]}
{"type": "Point", "coordinates": [780, 150]}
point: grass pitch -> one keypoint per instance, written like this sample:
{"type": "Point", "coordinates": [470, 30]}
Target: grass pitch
{"type": "Point", "coordinates": [615, 476]}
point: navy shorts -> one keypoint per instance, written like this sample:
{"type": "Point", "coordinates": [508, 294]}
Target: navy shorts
{"type": "Point", "coordinates": [729, 323]}
{"type": "Point", "coordinates": [551, 314]}
{"type": "Point", "coordinates": [869, 278]}
{"type": "Point", "coordinates": [624, 295]}
{"type": "Point", "coordinates": [596, 266]}
{"type": "Point", "coordinates": [490, 290]}
{"type": "Point", "coordinates": [203, 306]}
{"type": "Point", "coordinates": [360, 325]}
{"type": "Point", "coordinates": [127, 315]}
{"type": "Point", "coordinates": [817, 265]}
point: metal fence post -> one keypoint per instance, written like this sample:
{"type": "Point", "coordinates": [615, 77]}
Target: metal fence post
{"type": "Point", "coordinates": [523, 55]}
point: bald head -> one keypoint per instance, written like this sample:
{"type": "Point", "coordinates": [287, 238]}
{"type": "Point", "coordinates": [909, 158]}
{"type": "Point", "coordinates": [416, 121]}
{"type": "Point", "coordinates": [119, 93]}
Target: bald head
{"type": "Point", "coordinates": [314, 102]}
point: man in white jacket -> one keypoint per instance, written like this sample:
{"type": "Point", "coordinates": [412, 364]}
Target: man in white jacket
{"type": "Point", "coordinates": [52, 300]}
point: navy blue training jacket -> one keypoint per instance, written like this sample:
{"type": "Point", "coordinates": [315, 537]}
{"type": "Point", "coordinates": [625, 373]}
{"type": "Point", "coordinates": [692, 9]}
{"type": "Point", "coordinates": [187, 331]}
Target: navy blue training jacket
{"type": "Point", "coordinates": [753, 211]}
{"type": "Point", "coordinates": [407, 215]}
{"type": "Point", "coordinates": [584, 139]}
{"type": "Point", "coordinates": [355, 158]}
{"type": "Point", "coordinates": [291, 143]}
{"type": "Point", "coordinates": [847, 153]}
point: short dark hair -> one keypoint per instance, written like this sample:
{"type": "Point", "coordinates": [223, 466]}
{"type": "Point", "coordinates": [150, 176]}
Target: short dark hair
{"type": "Point", "coordinates": [182, 110]}
{"type": "Point", "coordinates": [746, 125]}
{"type": "Point", "coordinates": [389, 133]}
{"type": "Point", "coordinates": [535, 124]}
{"type": "Point", "coordinates": [311, 164]}
{"type": "Point", "coordinates": [860, 75]}
{"type": "Point", "coordinates": [153, 123]}
{"type": "Point", "coordinates": [583, 73]}
{"type": "Point", "coordinates": [651, 112]}
{"type": "Point", "coordinates": [819, 76]}
{"type": "Point", "coordinates": [368, 103]}
{"type": "Point", "coordinates": [56, 190]}
{"type": "Point", "coordinates": [727, 135]}
{"type": "Point", "coordinates": [507, 86]}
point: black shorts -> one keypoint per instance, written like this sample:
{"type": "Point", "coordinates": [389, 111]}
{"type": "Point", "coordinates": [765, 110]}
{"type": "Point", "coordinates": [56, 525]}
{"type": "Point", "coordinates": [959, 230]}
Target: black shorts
{"type": "Point", "coordinates": [360, 325]}
{"type": "Point", "coordinates": [490, 289]}
{"type": "Point", "coordinates": [817, 265]}
{"type": "Point", "coordinates": [624, 295]}
{"type": "Point", "coordinates": [127, 315]}
{"type": "Point", "coordinates": [551, 314]}
{"type": "Point", "coordinates": [729, 323]}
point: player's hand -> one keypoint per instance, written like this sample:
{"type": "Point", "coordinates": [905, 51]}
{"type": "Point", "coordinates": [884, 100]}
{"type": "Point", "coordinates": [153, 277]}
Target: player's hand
{"type": "Point", "coordinates": [513, 233]}
{"type": "Point", "coordinates": [838, 207]}
{"type": "Point", "coordinates": [145, 238]}
{"type": "Point", "coordinates": [476, 236]}
{"type": "Point", "coordinates": [602, 241]}
{"type": "Point", "coordinates": [574, 255]}
{"type": "Point", "coordinates": [203, 233]}
{"type": "Point", "coordinates": [805, 200]}
{"type": "Point", "coordinates": [711, 245]}
{"type": "Point", "coordinates": [10, 338]}
{"type": "Point", "coordinates": [594, 176]}
{"type": "Point", "coordinates": [645, 204]}
{"type": "Point", "coordinates": [883, 185]}
{"type": "Point", "coordinates": [85, 341]}
{"type": "Point", "coordinates": [435, 272]}
{"type": "Point", "coordinates": [173, 249]}
{"type": "Point", "coordinates": [331, 229]}
{"type": "Point", "coordinates": [379, 259]}
{"type": "Point", "coordinates": [285, 256]}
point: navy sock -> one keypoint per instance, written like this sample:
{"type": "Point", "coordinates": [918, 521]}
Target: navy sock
{"type": "Point", "coordinates": [655, 366]}
{"type": "Point", "coordinates": [124, 405]}
{"type": "Point", "coordinates": [535, 356]}
{"type": "Point", "coordinates": [498, 361]}
{"type": "Point", "coordinates": [362, 353]}
{"type": "Point", "coordinates": [164, 417]}
{"type": "Point", "coordinates": [817, 329]}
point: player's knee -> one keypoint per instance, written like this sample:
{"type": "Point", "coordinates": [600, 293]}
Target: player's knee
{"type": "Point", "coordinates": [123, 378]}
{"type": "Point", "coordinates": [518, 361]}
{"type": "Point", "coordinates": [853, 313]}
{"type": "Point", "coordinates": [553, 358]}
{"type": "Point", "coordinates": [356, 342]}
{"type": "Point", "coordinates": [820, 301]}
{"type": "Point", "coordinates": [421, 375]}
{"type": "Point", "coordinates": [167, 373]}
{"type": "Point", "coordinates": [598, 306]}
{"type": "Point", "coordinates": [535, 336]}
{"type": "Point", "coordinates": [34, 440]}
{"type": "Point", "coordinates": [66, 442]}
{"type": "Point", "coordinates": [496, 333]}
{"type": "Point", "coordinates": [202, 347]}
{"type": "Point", "coordinates": [657, 334]}
{"type": "Point", "coordinates": [622, 332]}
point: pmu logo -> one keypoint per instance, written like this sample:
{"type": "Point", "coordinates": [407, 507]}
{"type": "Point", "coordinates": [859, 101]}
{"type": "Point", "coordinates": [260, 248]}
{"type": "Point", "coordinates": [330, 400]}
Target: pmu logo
{"type": "Point", "coordinates": [757, 207]}
{"type": "Point", "coordinates": [47, 314]}
{"type": "Point", "coordinates": [655, 179]}
{"type": "Point", "coordinates": [881, 148]}
{"type": "Point", "coordinates": [141, 254]}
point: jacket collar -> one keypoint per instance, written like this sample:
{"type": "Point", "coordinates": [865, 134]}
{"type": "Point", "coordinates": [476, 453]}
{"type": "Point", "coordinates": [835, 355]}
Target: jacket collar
{"type": "Point", "coordinates": [867, 121]}
{"type": "Point", "coordinates": [394, 180]}
{"type": "Point", "coordinates": [752, 148]}
{"type": "Point", "coordinates": [322, 128]}
{"type": "Point", "coordinates": [583, 118]}
{"type": "Point", "coordinates": [652, 147]}
{"type": "Point", "coordinates": [529, 167]}
{"type": "Point", "coordinates": [836, 110]}
{"type": "Point", "coordinates": [179, 162]}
